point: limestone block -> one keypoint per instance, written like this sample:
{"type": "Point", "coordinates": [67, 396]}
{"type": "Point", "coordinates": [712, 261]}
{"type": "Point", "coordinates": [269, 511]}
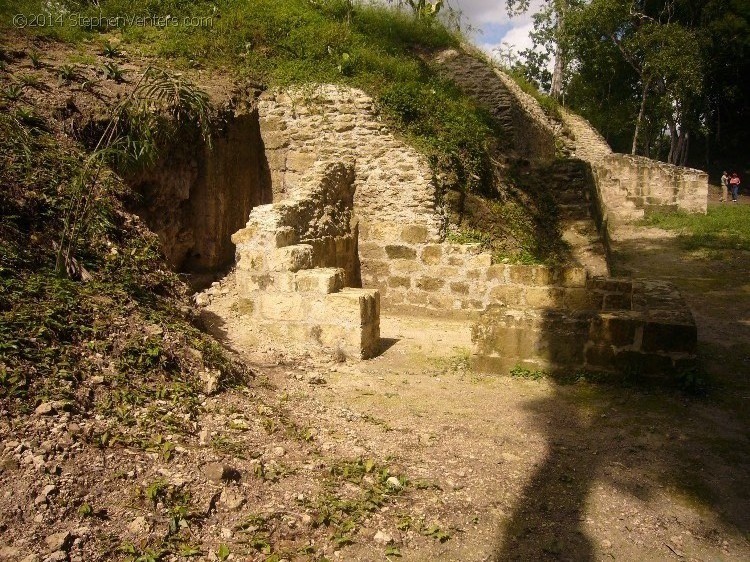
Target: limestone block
{"type": "Point", "coordinates": [617, 329]}
{"type": "Point", "coordinates": [430, 283]}
{"type": "Point", "coordinates": [397, 281]}
{"type": "Point", "coordinates": [284, 307]}
{"type": "Point", "coordinates": [371, 251]}
{"type": "Point", "coordinates": [274, 140]}
{"type": "Point", "coordinates": [320, 280]}
{"type": "Point", "coordinates": [508, 295]}
{"type": "Point", "coordinates": [479, 260]}
{"type": "Point", "coordinates": [250, 281]}
{"type": "Point", "coordinates": [291, 258]}
{"type": "Point", "coordinates": [354, 307]}
{"type": "Point", "coordinates": [573, 277]}
{"type": "Point", "coordinates": [544, 297]}
{"type": "Point", "coordinates": [460, 288]}
{"type": "Point", "coordinates": [443, 302]}
{"type": "Point", "coordinates": [432, 254]}
{"type": "Point", "coordinates": [377, 268]}
{"type": "Point", "coordinates": [522, 274]}
{"type": "Point", "coordinates": [499, 272]}
{"type": "Point", "coordinates": [414, 234]}
{"type": "Point", "coordinates": [400, 252]}
{"type": "Point", "coordinates": [575, 298]}
{"type": "Point", "coordinates": [406, 267]}
{"type": "Point", "coordinates": [250, 259]}
{"type": "Point", "coordinates": [668, 337]}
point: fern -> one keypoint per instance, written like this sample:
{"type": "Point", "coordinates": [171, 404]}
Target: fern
{"type": "Point", "coordinates": [160, 103]}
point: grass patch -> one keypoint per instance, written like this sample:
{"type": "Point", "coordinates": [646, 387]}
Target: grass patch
{"type": "Point", "coordinates": [725, 227]}
{"type": "Point", "coordinates": [371, 47]}
{"type": "Point", "coordinates": [549, 105]}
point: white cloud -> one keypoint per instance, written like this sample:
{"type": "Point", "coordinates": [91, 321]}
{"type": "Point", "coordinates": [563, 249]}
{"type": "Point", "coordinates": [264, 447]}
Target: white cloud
{"type": "Point", "coordinates": [519, 37]}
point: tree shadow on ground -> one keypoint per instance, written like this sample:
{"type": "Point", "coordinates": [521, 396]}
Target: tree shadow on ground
{"type": "Point", "coordinates": [684, 456]}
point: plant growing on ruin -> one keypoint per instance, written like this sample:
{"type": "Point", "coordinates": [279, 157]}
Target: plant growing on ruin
{"type": "Point", "coordinates": [159, 104]}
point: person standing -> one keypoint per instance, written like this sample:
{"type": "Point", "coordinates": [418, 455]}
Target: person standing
{"type": "Point", "coordinates": [724, 187]}
{"type": "Point", "coordinates": [734, 183]}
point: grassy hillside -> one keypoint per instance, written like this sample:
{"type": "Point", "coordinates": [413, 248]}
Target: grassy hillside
{"type": "Point", "coordinates": [276, 43]}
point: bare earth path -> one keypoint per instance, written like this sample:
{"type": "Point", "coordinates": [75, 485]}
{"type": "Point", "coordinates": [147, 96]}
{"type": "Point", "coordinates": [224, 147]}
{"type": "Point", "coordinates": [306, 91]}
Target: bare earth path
{"type": "Point", "coordinates": [532, 470]}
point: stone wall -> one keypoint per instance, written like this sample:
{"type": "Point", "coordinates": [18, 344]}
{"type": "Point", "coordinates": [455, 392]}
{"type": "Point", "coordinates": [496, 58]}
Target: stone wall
{"type": "Point", "coordinates": [636, 327]}
{"type": "Point", "coordinates": [325, 124]}
{"type": "Point", "coordinates": [527, 130]}
{"type": "Point", "coordinates": [630, 186]}
{"type": "Point", "coordinates": [197, 196]}
{"type": "Point", "coordinates": [459, 279]}
{"type": "Point", "coordinates": [295, 259]}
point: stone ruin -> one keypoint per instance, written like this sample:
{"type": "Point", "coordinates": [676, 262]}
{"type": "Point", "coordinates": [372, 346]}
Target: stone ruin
{"type": "Point", "coordinates": [356, 222]}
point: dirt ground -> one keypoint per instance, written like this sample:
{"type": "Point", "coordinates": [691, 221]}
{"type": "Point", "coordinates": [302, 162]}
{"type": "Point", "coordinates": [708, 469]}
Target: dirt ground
{"type": "Point", "coordinates": [534, 470]}
{"type": "Point", "coordinates": [411, 455]}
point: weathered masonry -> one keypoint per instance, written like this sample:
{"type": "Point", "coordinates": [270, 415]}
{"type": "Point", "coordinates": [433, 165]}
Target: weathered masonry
{"type": "Point", "coordinates": [356, 222]}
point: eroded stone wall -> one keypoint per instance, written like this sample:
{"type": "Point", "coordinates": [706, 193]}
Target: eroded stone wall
{"type": "Point", "coordinates": [296, 262]}
{"type": "Point", "coordinates": [639, 328]}
{"type": "Point", "coordinates": [197, 196]}
{"type": "Point", "coordinates": [630, 186]}
{"type": "Point", "coordinates": [325, 124]}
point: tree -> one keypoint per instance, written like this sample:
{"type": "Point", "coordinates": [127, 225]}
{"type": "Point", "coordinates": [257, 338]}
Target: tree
{"type": "Point", "coordinates": [550, 34]}
{"type": "Point", "coordinates": [664, 55]}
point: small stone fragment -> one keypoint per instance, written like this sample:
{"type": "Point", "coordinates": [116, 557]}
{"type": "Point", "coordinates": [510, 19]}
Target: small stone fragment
{"type": "Point", "coordinates": [394, 483]}
{"type": "Point", "coordinates": [45, 409]}
{"type": "Point", "coordinates": [232, 499]}
{"type": "Point", "coordinates": [201, 299]}
{"type": "Point", "coordinates": [218, 473]}
{"type": "Point", "coordinates": [211, 380]}
{"type": "Point", "coordinates": [381, 537]}
{"type": "Point", "coordinates": [139, 525]}
{"type": "Point", "coordinates": [279, 451]}
{"type": "Point", "coordinates": [59, 541]}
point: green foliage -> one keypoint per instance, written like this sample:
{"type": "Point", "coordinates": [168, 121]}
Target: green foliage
{"type": "Point", "coordinates": [723, 227]}
{"type": "Point", "coordinates": [519, 372]}
{"type": "Point", "coordinates": [469, 236]}
{"type": "Point", "coordinates": [68, 72]}
{"type": "Point", "coordinates": [112, 71]}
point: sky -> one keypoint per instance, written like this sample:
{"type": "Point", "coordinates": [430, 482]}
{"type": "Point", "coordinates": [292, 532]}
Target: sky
{"type": "Point", "coordinates": [496, 27]}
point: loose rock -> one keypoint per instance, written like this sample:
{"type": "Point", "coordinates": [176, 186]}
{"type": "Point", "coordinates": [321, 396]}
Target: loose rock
{"type": "Point", "coordinates": [59, 541]}
{"type": "Point", "coordinates": [218, 473]}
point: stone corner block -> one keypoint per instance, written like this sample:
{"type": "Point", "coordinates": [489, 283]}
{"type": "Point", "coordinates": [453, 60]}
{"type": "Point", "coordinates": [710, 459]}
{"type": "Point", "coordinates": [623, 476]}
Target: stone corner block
{"type": "Point", "coordinates": [291, 258]}
{"type": "Point", "coordinates": [323, 280]}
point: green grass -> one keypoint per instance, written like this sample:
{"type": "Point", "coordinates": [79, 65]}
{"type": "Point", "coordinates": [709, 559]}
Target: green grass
{"type": "Point", "coordinates": [726, 227]}
{"type": "Point", "coordinates": [280, 43]}
{"type": "Point", "coordinates": [127, 322]}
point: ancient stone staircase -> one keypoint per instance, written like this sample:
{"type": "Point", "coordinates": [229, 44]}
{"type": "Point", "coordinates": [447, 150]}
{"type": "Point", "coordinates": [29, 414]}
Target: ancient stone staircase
{"type": "Point", "coordinates": [479, 81]}
{"type": "Point", "coordinates": [530, 135]}
{"type": "Point", "coordinates": [574, 193]}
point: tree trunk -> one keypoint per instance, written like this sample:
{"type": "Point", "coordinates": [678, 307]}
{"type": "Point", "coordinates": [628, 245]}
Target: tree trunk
{"type": "Point", "coordinates": [558, 72]}
{"type": "Point", "coordinates": [673, 137]}
{"type": "Point", "coordinates": [640, 116]}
